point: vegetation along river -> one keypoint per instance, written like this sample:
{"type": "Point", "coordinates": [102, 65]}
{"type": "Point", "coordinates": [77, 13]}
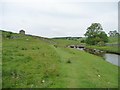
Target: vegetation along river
{"type": "Point", "coordinates": [111, 58]}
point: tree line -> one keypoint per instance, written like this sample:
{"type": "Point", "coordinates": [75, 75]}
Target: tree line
{"type": "Point", "coordinates": [96, 36]}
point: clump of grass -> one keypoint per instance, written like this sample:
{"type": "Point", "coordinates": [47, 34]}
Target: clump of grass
{"type": "Point", "coordinates": [55, 46]}
{"type": "Point", "coordinates": [43, 54]}
{"type": "Point", "coordinates": [11, 57]}
{"type": "Point", "coordinates": [27, 59]}
{"type": "Point", "coordinates": [33, 48]}
{"type": "Point", "coordinates": [17, 47]}
{"type": "Point", "coordinates": [69, 61]}
{"type": "Point", "coordinates": [23, 48]}
{"type": "Point", "coordinates": [20, 54]}
{"type": "Point", "coordinates": [58, 75]}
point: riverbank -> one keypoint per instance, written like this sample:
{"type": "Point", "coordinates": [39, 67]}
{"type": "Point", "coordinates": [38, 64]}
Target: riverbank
{"type": "Point", "coordinates": [107, 49]}
{"type": "Point", "coordinates": [80, 69]}
{"type": "Point", "coordinates": [29, 62]}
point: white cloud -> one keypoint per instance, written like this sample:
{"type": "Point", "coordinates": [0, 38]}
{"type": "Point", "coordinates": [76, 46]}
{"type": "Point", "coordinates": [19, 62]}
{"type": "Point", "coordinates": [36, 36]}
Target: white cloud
{"type": "Point", "coordinates": [58, 1]}
{"type": "Point", "coordinates": [51, 18]}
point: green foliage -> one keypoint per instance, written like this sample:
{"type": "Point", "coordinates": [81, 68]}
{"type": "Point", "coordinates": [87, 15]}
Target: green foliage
{"type": "Point", "coordinates": [112, 49]}
{"type": "Point", "coordinates": [95, 34]}
{"type": "Point", "coordinates": [82, 41]}
{"type": "Point", "coordinates": [103, 36]}
{"type": "Point", "coordinates": [101, 43]}
{"type": "Point", "coordinates": [113, 33]}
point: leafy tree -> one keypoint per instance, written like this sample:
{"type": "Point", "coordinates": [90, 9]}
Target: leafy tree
{"type": "Point", "coordinates": [113, 33]}
{"type": "Point", "coordinates": [95, 34]}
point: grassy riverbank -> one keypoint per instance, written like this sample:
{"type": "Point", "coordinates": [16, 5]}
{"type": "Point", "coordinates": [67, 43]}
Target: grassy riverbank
{"type": "Point", "coordinates": [109, 49]}
{"type": "Point", "coordinates": [30, 62]}
{"type": "Point", "coordinates": [85, 70]}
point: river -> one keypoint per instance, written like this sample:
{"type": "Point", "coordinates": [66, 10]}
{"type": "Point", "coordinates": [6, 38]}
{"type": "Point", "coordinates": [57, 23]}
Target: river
{"type": "Point", "coordinates": [111, 58]}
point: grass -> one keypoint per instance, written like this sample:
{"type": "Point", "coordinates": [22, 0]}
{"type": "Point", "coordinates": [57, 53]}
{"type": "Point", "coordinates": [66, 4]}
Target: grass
{"type": "Point", "coordinates": [0, 59]}
{"type": "Point", "coordinates": [84, 69]}
{"type": "Point", "coordinates": [113, 40]}
{"type": "Point", "coordinates": [30, 62]}
{"type": "Point", "coordinates": [65, 42]}
{"type": "Point", "coordinates": [109, 49]}
{"type": "Point", "coordinates": [27, 63]}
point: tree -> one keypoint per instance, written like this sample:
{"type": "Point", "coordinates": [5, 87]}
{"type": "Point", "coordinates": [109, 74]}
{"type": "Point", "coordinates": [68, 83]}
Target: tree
{"type": "Point", "coordinates": [95, 34]}
{"type": "Point", "coordinates": [113, 33]}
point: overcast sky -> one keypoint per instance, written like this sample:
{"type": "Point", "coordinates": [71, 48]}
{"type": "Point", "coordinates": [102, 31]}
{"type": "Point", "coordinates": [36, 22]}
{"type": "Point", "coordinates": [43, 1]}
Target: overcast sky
{"type": "Point", "coordinates": [55, 18]}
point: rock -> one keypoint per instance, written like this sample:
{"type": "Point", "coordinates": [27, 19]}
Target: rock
{"type": "Point", "coordinates": [32, 85]}
{"type": "Point", "coordinates": [99, 76]}
{"type": "Point", "coordinates": [43, 81]}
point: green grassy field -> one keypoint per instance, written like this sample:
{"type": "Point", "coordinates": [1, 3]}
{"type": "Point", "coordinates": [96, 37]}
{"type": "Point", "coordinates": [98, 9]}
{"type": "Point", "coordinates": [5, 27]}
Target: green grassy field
{"type": "Point", "coordinates": [84, 70]}
{"type": "Point", "coordinates": [29, 62]}
{"type": "Point", "coordinates": [109, 49]}
{"type": "Point", "coordinates": [65, 42]}
{"type": "Point", "coordinates": [113, 40]}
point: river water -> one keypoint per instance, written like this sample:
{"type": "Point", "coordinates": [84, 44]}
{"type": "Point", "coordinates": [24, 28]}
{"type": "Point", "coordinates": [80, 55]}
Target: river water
{"type": "Point", "coordinates": [111, 58]}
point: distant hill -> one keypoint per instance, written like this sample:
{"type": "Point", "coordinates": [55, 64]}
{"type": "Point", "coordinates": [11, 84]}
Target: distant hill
{"type": "Point", "coordinates": [69, 38]}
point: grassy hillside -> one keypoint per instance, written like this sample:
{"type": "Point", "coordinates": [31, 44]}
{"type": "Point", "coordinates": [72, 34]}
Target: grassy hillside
{"type": "Point", "coordinates": [65, 42]}
{"type": "Point", "coordinates": [35, 62]}
{"type": "Point", "coordinates": [85, 70]}
{"type": "Point", "coordinates": [28, 61]}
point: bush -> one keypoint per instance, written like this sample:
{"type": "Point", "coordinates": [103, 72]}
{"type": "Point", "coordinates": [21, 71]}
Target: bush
{"type": "Point", "coordinates": [101, 43]}
{"type": "Point", "coordinates": [82, 41]}
{"type": "Point", "coordinates": [55, 46]}
{"type": "Point", "coordinates": [8, 35]}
